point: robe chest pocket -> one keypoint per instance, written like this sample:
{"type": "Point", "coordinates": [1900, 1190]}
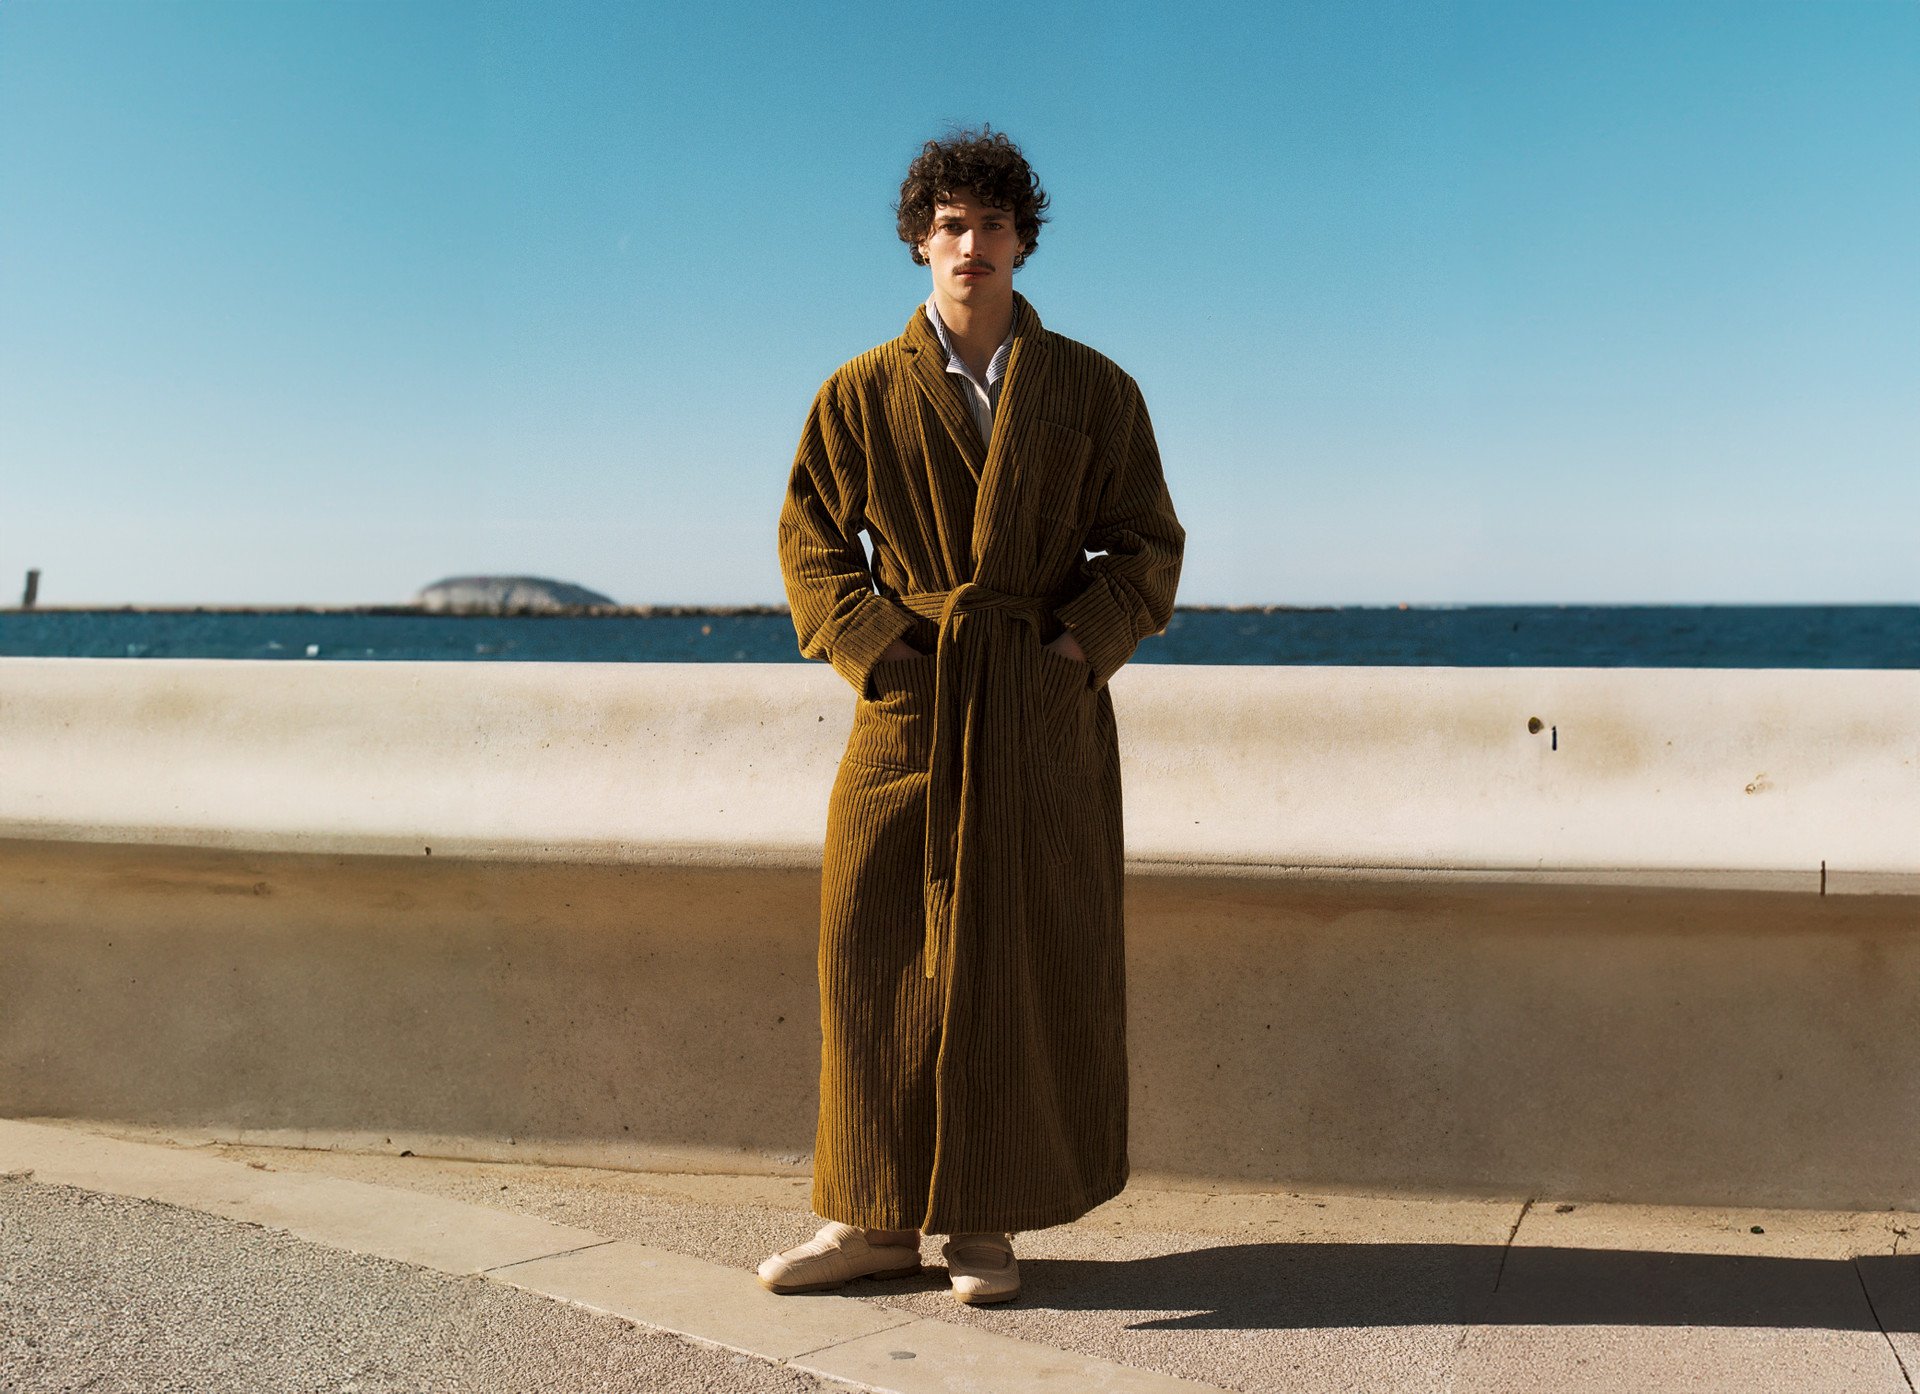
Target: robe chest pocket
{"type": "Point", "coordinates": [894, 728]}
{"type": "Point", "coordinates": [1056, 464]}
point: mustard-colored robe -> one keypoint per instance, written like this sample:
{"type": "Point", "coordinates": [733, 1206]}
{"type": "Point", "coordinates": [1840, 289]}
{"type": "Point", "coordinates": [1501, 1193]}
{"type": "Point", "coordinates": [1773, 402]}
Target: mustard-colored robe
{"type": "Point", "coordinates": [973, 1071]}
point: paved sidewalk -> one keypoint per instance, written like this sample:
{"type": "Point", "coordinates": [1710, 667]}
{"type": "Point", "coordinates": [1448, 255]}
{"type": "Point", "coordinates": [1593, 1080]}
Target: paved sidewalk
{"type": "Point", "coordinates": [368, 1276]}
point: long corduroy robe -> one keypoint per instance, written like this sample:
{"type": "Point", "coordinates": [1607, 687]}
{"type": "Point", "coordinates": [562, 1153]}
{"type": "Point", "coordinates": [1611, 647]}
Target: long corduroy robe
{"type": "Point", "coordinates": [973, 1071]}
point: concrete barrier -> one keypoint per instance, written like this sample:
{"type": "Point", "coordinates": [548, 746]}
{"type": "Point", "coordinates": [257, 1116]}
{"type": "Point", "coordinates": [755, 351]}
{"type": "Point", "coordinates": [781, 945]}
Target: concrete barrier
{"type": "Point", "coordinates": [1384, 934]}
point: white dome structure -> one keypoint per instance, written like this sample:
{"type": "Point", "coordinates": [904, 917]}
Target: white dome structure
{"type": "Point", "coordinates": [507, 595]}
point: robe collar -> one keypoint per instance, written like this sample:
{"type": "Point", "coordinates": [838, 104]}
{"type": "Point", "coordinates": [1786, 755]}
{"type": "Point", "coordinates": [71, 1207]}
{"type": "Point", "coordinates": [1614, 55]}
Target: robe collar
{"type": "Point", "coordinates": [922, 338]}
{"type": "Point", "coordinates": [996, 366]}
{"type": "Point", "coordinates": [922, 345]}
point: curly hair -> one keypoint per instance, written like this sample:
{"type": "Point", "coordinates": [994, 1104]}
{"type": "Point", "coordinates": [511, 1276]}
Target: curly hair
{"type": "Point", "coordinates": [987, 165]}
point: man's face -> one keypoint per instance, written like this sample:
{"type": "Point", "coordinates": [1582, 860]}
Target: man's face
{"type": "Point", "coordinates": [970, 248]}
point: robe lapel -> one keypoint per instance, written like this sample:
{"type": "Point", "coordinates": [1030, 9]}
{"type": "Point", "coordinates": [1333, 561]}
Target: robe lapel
{"type": "Point", "coordinates": [999, 479]}
{"type": "Point", "coordinates": [992, 464]}
{"type": "Point", "coordinates": [930, 376]}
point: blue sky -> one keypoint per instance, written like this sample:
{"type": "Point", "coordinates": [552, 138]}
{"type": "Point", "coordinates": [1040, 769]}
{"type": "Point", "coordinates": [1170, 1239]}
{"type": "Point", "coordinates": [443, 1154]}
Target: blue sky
{"type": "Point", "coordinates": [1431, 303]}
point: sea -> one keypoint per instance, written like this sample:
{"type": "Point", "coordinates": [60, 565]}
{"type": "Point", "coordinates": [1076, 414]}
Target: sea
{"type": "Point", "coordinates": [1467, 636]}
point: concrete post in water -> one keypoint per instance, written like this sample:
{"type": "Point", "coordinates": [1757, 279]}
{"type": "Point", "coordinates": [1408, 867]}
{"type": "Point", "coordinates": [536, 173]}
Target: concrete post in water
{"type": "Point", "coordinates": [33, 589]}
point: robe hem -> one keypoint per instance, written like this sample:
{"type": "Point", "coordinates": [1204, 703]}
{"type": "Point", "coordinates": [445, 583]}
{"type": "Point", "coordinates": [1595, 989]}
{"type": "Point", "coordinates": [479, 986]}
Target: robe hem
{"type": "Point", "coordinates": [1009, 1221]}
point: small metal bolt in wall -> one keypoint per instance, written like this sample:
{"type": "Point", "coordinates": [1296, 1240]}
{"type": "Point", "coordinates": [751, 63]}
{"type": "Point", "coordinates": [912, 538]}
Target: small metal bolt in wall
{"type": "Point", "coordinates": [1534, 724]}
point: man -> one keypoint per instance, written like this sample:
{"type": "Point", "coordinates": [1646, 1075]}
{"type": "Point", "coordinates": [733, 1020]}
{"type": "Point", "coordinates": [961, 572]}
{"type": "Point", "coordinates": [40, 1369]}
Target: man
{"type": "Point", "coordinates": [973, 1077]}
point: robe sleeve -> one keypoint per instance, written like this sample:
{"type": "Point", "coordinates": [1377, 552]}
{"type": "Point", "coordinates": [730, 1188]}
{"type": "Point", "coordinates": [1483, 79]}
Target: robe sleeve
{"type": "Point", "coordinates": [1131, 592]}
{"type": "Point", "coordinates": [837, 614]}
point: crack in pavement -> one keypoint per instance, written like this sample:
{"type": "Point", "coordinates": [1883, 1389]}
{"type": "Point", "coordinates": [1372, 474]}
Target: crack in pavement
{"type": "Point", "coordinates": [541, 1258]}
{"type": "Point", "coordinates": [1868, 1294]}
{"type": "Point", "coordinates": [1507, 1248]}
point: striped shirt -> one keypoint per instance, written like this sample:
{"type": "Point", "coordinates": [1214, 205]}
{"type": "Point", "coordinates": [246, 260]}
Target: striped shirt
{"type": "Point", "coordinates": [982, 397]}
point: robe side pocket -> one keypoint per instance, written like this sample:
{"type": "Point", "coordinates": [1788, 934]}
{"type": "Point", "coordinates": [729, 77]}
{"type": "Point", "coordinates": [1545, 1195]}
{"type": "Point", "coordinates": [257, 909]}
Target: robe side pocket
{"type": "Point", "coordinates": [894, 728]}
{"type": "Point", "coordinates": [1063, 707]}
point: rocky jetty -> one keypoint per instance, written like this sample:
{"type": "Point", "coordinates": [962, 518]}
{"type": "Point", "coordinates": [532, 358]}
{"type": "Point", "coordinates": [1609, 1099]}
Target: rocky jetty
{"type": "Point", "coordinates": [509, 595]}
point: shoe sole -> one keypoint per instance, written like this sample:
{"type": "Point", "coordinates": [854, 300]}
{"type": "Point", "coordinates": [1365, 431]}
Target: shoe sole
{"type": "Point", "coordinates": [786, 1289]}
{"type": "Point", "coordinates": [983, 1299]}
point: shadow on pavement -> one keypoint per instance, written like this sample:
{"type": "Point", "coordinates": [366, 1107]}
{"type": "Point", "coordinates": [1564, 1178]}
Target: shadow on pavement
{"type": "Point", "coordinates": [1252, 1286]}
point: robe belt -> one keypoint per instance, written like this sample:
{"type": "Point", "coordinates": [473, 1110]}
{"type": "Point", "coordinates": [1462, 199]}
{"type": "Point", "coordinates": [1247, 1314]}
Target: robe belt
{"type": "Point", "coordinates": [946, 785]}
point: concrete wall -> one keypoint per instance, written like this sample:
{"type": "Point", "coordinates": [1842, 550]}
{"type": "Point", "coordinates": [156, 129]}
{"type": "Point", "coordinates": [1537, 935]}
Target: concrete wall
{"type": "Point", "coordinates": [1381, 934]}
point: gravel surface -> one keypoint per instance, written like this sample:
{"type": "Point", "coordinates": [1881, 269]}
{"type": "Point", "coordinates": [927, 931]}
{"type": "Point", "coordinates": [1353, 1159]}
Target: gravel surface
{"type": "Point", "coordinates": [109, 1295]}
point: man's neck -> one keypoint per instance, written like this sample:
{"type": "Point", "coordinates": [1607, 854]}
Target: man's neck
{"type": "Point", "coordinates": [975, 331]}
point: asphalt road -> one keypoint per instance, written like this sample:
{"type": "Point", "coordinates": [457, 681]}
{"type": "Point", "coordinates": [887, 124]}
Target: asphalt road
{"type": "Point", "coordinates": [109, 1295]}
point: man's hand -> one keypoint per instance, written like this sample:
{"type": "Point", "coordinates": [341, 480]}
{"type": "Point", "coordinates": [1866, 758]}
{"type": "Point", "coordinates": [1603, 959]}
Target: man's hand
{"type": "Point", "coordinates": [899, 648]}
{"type": "Point", "coordinates": [1067, 646]}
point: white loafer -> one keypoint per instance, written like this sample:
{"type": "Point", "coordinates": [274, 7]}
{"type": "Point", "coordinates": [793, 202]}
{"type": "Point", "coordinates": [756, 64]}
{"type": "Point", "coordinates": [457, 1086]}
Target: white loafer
{"type": "Point", "coordinates": [835, 1257]}
{"type": "Point", "coordinates": [982, 1267]}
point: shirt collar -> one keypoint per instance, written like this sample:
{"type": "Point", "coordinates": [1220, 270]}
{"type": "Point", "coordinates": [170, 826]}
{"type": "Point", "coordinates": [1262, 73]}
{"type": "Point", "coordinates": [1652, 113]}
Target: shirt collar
{"type": "Point", "coordinates": [996, 366]}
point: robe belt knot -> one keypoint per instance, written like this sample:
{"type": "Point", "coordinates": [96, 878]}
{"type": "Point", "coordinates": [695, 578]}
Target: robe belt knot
{"type": "Point", "coordinates": [957, 710]}
{"type": "Point", "coordinates": [970, 596]}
